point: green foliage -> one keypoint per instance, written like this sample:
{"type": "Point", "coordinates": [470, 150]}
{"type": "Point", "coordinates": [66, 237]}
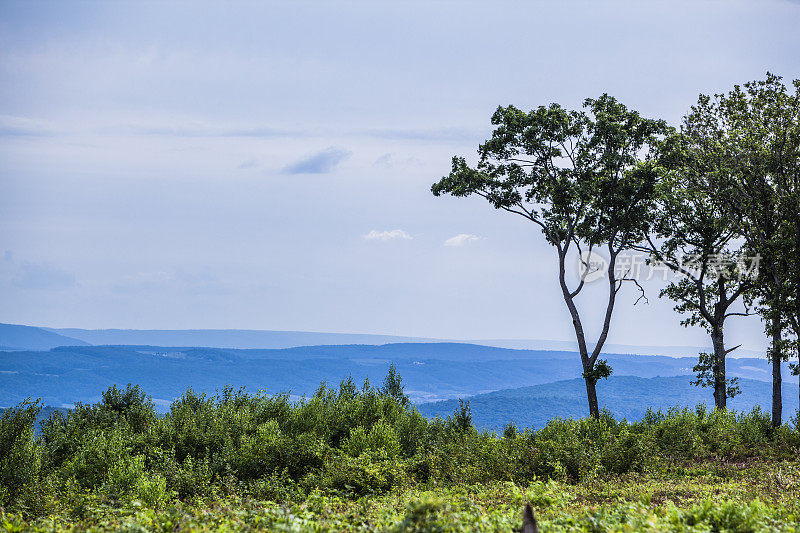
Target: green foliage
{"type": "Point", "coordinates": [344, 444]}
{"type": "Point", "coordinates": [381, 437]}
{"type": "Point", "coordinates": [600, 370]}
{"type": "Point", "coordinates": [20, 461]}
{"type": "Point", "coordinates": [369, 473]}
{"type": "Point", "coordinates": [461, 419]}
{"type": "Point", "coordinates": [707, 375]}
{"type": "Point", "coordinates": [707, 434]}
{"type": "Point", "coordinates": [393, 386]}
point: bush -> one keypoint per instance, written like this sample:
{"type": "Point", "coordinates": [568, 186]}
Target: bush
{"type": "Point", "coordinates": [368, 474]}
{"type": "Point", "coordinates": [20, 460]}
{"type": "Point", "coordinates": [104, 458]}
{"type": "Point", "coordinates": [380, 438]}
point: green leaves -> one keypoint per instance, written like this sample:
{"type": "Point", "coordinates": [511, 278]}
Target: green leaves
{"type": "Point", "coordinates": [578, 174]}
{"type": "Point", "coordinates": [600, 370]}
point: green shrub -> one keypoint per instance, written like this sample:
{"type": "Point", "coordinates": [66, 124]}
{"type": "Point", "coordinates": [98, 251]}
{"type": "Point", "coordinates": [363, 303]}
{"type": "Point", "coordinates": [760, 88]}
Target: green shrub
{"type": "Point", "coordinates": [380, 438]}
{"type": "Point", "coordinates": [368, 474]}
{"type": "Point", "coordinates": [151, 489]}
{"type": "Point", "coordinates": [104, 457]}
{"type": "Point", "coordinates": [20, 458]}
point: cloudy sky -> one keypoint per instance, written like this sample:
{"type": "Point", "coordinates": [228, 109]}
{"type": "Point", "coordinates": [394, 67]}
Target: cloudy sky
{"type": "Point", "coordinates": [268, 165]}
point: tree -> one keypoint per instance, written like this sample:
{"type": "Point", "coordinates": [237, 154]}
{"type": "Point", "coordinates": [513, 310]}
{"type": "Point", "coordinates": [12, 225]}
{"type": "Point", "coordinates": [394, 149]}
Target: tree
{"type": "Point", "coordinates": [789, 230]}
{"type": "Point", "coordinates": [585, 178]}
{"type": "Point", "coordinates": [393, 386]}
{"type": "Point", "coordinates": [745, 144]}
{"type": "Point", "coordinates": [695, 239]}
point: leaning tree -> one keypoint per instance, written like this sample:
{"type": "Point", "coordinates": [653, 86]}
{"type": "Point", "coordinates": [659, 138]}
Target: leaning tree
{"type": "Point", "coordinates": [586, 178]}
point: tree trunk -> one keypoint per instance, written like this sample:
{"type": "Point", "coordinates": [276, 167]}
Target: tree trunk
{"type": "Point", "coordinates": [586, 360]}
{"type": "Point", "coordinates": [720, 389]}
{"type": "Point", "coordinates": [777, 401]}
{"type": "Point", "coordinates": [591, 394]}
{"type": "Point", "coordinates": [797, 300]}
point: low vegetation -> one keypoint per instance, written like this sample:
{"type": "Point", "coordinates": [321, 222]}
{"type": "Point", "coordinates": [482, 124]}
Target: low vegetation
{"type": "Point", "coordinates": [361, 457]}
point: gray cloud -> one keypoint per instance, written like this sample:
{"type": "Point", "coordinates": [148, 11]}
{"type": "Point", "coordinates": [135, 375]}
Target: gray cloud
{"type": "Point", "coordinates": [320, 163]}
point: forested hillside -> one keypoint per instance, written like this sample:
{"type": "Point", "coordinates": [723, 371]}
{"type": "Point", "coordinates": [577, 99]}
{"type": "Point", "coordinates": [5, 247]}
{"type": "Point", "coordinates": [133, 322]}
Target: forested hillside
{"type": "Point", "coordinates": [625, 396]}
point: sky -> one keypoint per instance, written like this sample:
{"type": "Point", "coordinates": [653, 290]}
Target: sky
{"type": "Point", "coordinates": [268, 165]}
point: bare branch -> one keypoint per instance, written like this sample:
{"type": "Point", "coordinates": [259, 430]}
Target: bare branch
{"type": "Point", "coordinates": [738, 314]}
{"type": "Point", "coordinates": [585, 263]}
{"type": "Point", "coordinates": [642, 294]}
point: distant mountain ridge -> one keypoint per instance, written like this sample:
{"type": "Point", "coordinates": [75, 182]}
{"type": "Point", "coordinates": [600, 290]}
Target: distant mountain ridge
{"type": "Point", "coordinates": [227, 338]}
{"type": "Point", "coordinates": [16, 337]}
{"type": "Point", "coordinates": [273, 339]}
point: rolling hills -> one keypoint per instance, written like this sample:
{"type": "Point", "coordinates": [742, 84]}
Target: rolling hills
{"type": "Point", "coordinates": [435, 371]}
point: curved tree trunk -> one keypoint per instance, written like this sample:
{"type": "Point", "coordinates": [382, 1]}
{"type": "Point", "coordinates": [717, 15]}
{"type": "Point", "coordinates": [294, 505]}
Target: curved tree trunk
{"type": "Point", "coordinates": [587, 361]}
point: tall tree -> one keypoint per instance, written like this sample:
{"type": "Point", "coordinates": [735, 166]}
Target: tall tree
{"type": "Point", "coordinates": [695, 240]}
{"type": "Point", "coordinates": [585, 178]}
{"type": "Point", "coordinates": [745, 144]}
{"type": "Point", "coordinates": [789, 231]}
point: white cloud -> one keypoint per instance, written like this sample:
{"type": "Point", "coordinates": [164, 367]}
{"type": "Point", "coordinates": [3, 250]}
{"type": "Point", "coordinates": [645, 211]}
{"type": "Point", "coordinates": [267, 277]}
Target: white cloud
{"type": "Point", "coordinates": [461, 239]}
{"type": "Point", "coordinates": [376, 235]}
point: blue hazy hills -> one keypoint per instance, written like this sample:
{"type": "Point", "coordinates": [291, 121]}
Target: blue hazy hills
{"type": "Point", "coordinates": [14, 337]}
{"type": "Point", "coordinates": [625, 396]}
{"type": "Point", "coordinates": [503, 384]}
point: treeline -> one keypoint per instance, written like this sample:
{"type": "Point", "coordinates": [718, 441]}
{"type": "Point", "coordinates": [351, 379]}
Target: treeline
{"type": "Point", "coordinates": [716, 202]}
{"type": "Point", "coordinates": [349, 441]}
